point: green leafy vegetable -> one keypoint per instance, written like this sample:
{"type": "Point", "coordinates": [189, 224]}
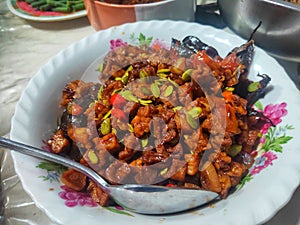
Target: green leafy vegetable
{"type": "Point", "coordinates": [64, 6]}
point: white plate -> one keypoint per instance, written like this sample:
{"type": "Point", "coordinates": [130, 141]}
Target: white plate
{"type": "Point", "coordinates": [36, 115]}
{"type": "Point", "coordinates": [13, 7]}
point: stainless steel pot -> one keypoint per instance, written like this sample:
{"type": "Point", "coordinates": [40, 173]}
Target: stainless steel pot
{"type": "Point", "coordinates": [279, 33]}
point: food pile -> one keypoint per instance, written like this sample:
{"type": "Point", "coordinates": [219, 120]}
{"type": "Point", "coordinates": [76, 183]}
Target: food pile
{"type": "Point", "coordinates": [177, 117]}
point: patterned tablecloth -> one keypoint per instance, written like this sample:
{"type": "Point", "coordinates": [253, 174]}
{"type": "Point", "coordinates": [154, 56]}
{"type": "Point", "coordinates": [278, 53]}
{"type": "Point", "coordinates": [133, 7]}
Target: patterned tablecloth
{"type": "Point", "coordinates": [25, 46]}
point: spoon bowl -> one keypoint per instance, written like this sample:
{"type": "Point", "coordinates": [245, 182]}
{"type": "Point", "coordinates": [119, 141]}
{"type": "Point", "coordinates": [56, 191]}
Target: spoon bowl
{"type": "Point", "coordinates": [144, 199]}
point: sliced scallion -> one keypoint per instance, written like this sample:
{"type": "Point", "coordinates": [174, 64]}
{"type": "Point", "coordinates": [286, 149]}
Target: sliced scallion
{"type": "Point", "coordinates": [253, 86]}
{"type": "Point", "coordinates": [195, 112]}
{"type": "Point", "coordinates": [191, 121]}
{"type": "Point", "coordinates": [155, 90]}
{"type": "Point", "coordinates": [93, 157]}
{"type": "Point", "coordinates": [105, 127]}
{"type": "Point", "coordinates": [168, 91]}
{"type": "Point", "coordinates": [187, 75]}
{"type": "Point", "coordinates": [144, 142]}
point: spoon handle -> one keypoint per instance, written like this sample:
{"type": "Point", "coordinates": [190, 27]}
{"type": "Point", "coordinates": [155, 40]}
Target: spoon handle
{"type": "Point", "coordinates": [39, 153]}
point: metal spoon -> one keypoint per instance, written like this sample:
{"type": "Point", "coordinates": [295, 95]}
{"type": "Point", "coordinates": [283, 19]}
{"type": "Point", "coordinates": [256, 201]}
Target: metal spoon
{"type": "Point", "coordinates": [145, 199]}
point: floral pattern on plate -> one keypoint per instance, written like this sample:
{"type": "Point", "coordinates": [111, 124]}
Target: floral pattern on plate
{"type": "Point", "coordinates": [271, 141]}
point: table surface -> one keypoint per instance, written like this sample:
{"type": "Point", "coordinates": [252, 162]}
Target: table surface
{"type": "Point", "coordinates": [25, 46]}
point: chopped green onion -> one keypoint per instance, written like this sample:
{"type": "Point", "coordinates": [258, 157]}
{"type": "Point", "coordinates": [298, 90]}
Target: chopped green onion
{"type": "Point", "coordinates": [229, 88]}
{"type": "Point", "coordinates": [234, 150]}
{"type": "Point", "coordinates": [168, 91]}
{"type": "Point", "coordinates": [253, 86]}
{"type": "Point", "coordinates": [191, 121]}
{"type": "Point", "coordinates": [177, 108]}
{"type": "Point", "coordinates": [187, 75]}
{"type": "Point", "coordinates": [129, 96]}
{"type": "Point", "coordinates": [145, 91]}
{"type": "Point", "coordinates": [93, 157]}
{"type": "Point", "coordinates": [101, 67]}
{"type": "Point", "coordinates": [107, 115]}
{"type": "Point", "coordinates": [105, 127]}
{"type": "Point", "coordinates": [125, 77]}
{"type": "Point", "coordinates": [238, 70]}
{"type": "Point", "coordinates": [144, 142]}
{"type": "Point", "coordinates": [129, 69]}
{"type": "Point", "coordinates": [162, 75]}
{"type": "Point", "coordinates": [143, 74]}
{"type": "Point", "coordinates": [92, 104]}
{"type": "Point", "coordinates": [164, 171]}
{"type": "Point", "coordinates": [145, 102]}
{"type": "Point", "coordinates": [116, 91]}
{"type": "Point", "coordinates": [186, 136]}
{"type": "Point", "coordinates": [259, 134]}
{"type": "Point", "coordinates": [113, 130]}
{"type": "Point", "coordinates": [155, 90]}
{"type": "Point", "coordinates": [173, 82]}
{"type": "Point", "coordinates": [258, 105]}
{"type": "Point", "coordinates": [158, 82]}
{"type": "Point", "coordinates": [130, 128]}
{"type": "Point", "coordinates": [99, 96]}
{"type": "Point", "coordinates": [195, 112]}
{"type": "Point", "coordinates": [164, 71]}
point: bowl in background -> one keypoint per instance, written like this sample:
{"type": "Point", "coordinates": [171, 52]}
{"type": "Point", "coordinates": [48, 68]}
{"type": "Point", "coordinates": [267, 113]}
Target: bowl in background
{"type": "Point", "coordinates": [279, 33]}
{"type": "Point", "coordinates": [103, 15]}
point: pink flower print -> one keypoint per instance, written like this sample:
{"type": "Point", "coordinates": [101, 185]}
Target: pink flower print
{"type": "Point", "coordinates": [256, 170]}
{"type": "Point", "coordinates": [116, 43]}
{"type": "Point", "coordinates": [262, 140]}
{"type": "Point", "coordinates": [274, 113]}
{"type": "Point", "coordinates": [118, 207]}
{"type": "Point", "coordinates": [73, 198]}
{"type": "Point", "coordinates": [270, 157]}
{"type": "Point", "coordinates": [264, 161]}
